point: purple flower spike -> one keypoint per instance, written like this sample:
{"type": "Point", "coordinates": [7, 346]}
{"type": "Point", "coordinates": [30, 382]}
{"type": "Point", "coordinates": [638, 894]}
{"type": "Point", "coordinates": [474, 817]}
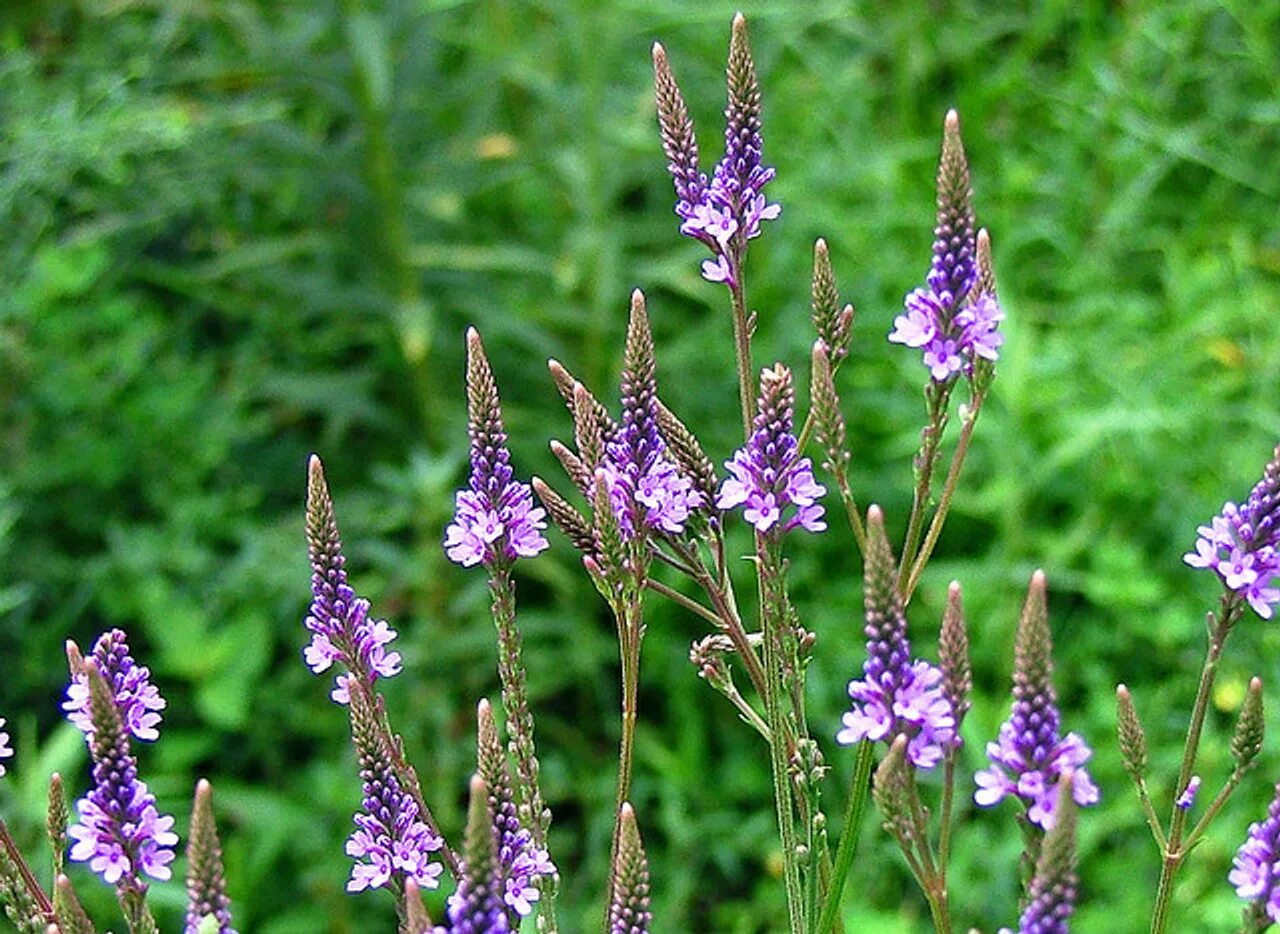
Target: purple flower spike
{"type": "Point", "coordinates": [341, 630]}
{"type": "Point", "coordinates": [896, 696]}
{"type": "Point", "coordinates": [138, 699]}
{"type": "Point", "coordinates": [727, 211]}
{"type": "Point", "coordinates": [1254, 873]}
{"type": "Point", "coordinates": [6, 752]}
{"type": "Point", "coordinates": [1030, 758]}
{"type": "Point", "coordinates": [766, 476]}
{"type": "Point", "coordinates": [1242, 543]}
{"type": "Point", "coordinates": [495, 520]}
{"type": "Point", "coordinates": [120, 833]}
{"type": "Point", "coordinates": [647, 492]}
{"type": "Point", "coordinates": [477, 905]}
{"type": "Point", "coordinates": [954, 319]}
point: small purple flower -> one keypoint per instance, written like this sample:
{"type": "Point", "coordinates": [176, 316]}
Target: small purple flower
{"type": "Point", "coordinates": [1242, 544]}
{"type": "Point", "coordinates": [495, 520]}
{"type": "Point", "coordinates": [895, 696]}
{"type": "Point", "coordinates": [338, 620]}
{"type": "Point", "coordinates": [120, 833]}
{"type": "Point", "coordinates": [1030, 757]}
{"type": "Point", "coordinates": [6, 752]}
{"type": "Point", "coordinates": [1255, 869]}
{"type": "Point", "coordinates": [138, 699]}
{"type": "Point", "coordinates": [767, 476]}
{"type": "Point", "coordinates": [1188, 796]}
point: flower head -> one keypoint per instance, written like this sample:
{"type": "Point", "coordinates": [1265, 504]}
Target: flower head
{"type": "Point", "coordinates": [1256, 868]}
{"type": "Point", "coordinates": [477, 905]}
{"type": "Point", "coordinates": [767, 477]}
{"type": "Point", "coordinates": [1242, 543]}
{"type": "Point", "coordinates": [6, 752]}
{"type": "Point", "coordinates": [629, 903]}
{"type": "Point", "coordinates": [727, 211]}
{"type": "Point", "coordinates": [120, 832]}
{"type": "Point", "coordinates": [1030, 757]}
{"type": "Point", "coordinates": [341, 630]}
{"type": "Point", "coordinates": [206, 880]}
{"type": "Point", "coordinates": [138, 699]}
{"type": "Point", "coordinates": [896, 696]}
{"type": "Point", "coordinates": [495, 519]}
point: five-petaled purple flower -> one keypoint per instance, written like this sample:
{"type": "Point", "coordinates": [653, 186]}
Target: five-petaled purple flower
{"type": "Point", "coordinates": [6, 752]}
{"type": "Point", "coordinates": [120, 832]}
{"type": "Point", "coordinates": [766, 476]}
{"type": "Point", "coordinates": [1256, 869]}
{"type": "Point", "coordinates": [138, 699]}
{"type": "Point", "coordinates": [895, 696]}
{"type": "Point", "coordinates": [341, 630]}
{"type": "Point", "coordinates": [953, 321]}
{"type": "Point", "coordinates": [1242, 543]}
{"type": "Point", "coordinates": [495, 519]}
{"type": "Point", "coordinates": [727, 211]}
{"type": "Point", "coordinates": [1030, 757]}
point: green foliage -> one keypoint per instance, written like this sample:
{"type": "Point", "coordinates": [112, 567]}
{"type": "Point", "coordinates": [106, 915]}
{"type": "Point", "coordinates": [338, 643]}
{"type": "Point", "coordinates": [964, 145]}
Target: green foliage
{"type": "Point", "coordinates": [236, 233]}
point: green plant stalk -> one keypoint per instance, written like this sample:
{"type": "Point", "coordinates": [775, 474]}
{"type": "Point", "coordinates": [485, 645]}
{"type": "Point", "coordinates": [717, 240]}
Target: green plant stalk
{"type": "Point", "coordinates": [937, 400]}
{"type": "Point", "coordinates": [742, 346]}
{"type": "Point", "coordinates": [773, 618]}
{"type": "Point", "coordinates": [630, 634]}
{"type": "Point", "coordinates": [24, 871]}
{"type": "Point", "coordinates": [944, 501]}
{"type": "Point", "coordinates": [848, 847]}
{"type": "Point", "coordinates": [1229, 613]}
{"type": "Point", "coordinates": [934, 881]}
{"type": "Point", "coordinates": [1212, 811]}
{"type": "Point", "coordinates": [515, 703]}
{"type": "Point", "coordinates": [948, 806]}
{"type": "Point", "coordinates": [1157, 832]}
{"type": "Point", "coordinates": [133, 902]}
{"type": "Point", "coordinates": [851, 510]}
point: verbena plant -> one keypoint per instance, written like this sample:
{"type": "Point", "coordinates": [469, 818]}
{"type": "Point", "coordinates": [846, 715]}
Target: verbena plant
{"type": "Point", "coordinates": [650, 513]}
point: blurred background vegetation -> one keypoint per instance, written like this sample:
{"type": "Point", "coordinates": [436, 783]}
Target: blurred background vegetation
{"type": "Point", "coordinates": [239, 231]}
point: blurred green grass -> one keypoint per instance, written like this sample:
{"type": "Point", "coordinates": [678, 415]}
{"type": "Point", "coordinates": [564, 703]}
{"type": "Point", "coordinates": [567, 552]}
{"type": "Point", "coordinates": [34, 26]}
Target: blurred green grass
{"type": "Point", "coordinates": [235, 233]}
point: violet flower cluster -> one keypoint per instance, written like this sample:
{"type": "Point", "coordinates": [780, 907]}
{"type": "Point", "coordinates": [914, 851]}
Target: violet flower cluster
{"type": "Point", "coordinates": [121, 834]}
{"type": "Point", "coordinates": [953, 321]}
{"type": "Point", "coordinates": [1256, 869]}
{"type": "Point", "coordinates": [1242, 543]}
{"type": "Point", "coordinates": [6, 752]}
{"type": "Point", "coordinates": [1030, 757]}
{"type": "Point", "coordinates": [341, 630]}
{"type": "Point", "coordinates": [495, 519]}
{"type": "Point", "coordinates": [725, 212]}
{"type": "Point", "coordinates": [767, 477]}
{"type": "Point", "coordinates": [895, 696]}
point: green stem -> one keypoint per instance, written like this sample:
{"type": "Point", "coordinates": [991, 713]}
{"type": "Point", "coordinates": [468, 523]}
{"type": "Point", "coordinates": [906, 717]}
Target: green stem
{"type": "Point", "coordinates": [1212, 811]}
{"type": "Point", "coordinates": [1229, 612]}
{"type": "Point", "coordinates": [848, 836]}
{"type": "Point", "coordinates": [937, 400]}
{"type": "Point", "coordinates": [948, 805]}
{"type": "Point", "coordinates": [742, 345]}
{"type": "Point", "coordinates": [1149, 810]}
{"type": "Point", "coordinates": [851, 510]}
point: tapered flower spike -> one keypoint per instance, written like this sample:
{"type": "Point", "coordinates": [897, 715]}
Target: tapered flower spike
{"type": "Point", "coordinates": [1242, 543]}
{"type": "Point", "coordinates": [767, 476]}
{"type": "Point", "coordinates": [1246, 742]}
{"type": "Point", "coordinates": [56, 821]}
{"type": "Point", "coordinates": [72, 918]}
{"type": "Point", "coordinates": [829, 427]}
{"type": "Point", "coordinates": [986, 284]}
{"type": "Point", "coordinates": [587, 433]}
{"type": "Point", "coordinates": [678, 140]}
{"type": "Point", "coordinates": [688, 453]}
{"type": "Point", "coordinates": [476, 906]}
{"type": "Point", "coordinates": [889, 789]}
{"type": "Point", "coordinates": [495, 520]}
{"type": "Point", "coordinates": [1255, 872]}
{"type": "Point", "coordinates": [567, 386]}
{"type": "Point", "coordinates": [1030, 757]}
{"type": "Point", "coordinates": [577, 471]}
{"type": "Point", "coordinates": [137, 698]}
{"type": "Point", "coordinates": [1054, 887]}
{"type": "Point", "coordinates": [629, 907]}
{"type": "Point", "coordinates": [953, 657]}
{"type": "Point", "coordinates": [954, 267]}
{"type": "Point", "coordinates": [647, 492]}
{"type": "Point", "coordinates": [833, 323]}
{"type": "Point", "coordinates": [565, 517]}
{"type": "Point", "coordinates": [206, 880]}
{"type": "Point", "coordinates": [1133, 739]}
{"type": "Point", "coordinates": [896, 696]}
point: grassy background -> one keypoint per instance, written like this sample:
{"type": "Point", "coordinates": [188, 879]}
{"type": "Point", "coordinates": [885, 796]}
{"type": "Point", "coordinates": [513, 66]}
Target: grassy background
{"type": "Point", "coordinates": [238, 232]}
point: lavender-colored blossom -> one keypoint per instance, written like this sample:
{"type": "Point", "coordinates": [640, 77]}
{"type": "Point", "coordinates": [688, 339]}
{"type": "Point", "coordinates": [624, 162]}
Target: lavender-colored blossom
{"type": "Point", "coordinates": [495, 519]}
{"type": "Point", "coordinates": [895, 696]}
{"type": "Point", "coordinates": [341, 630]}
{"type": "Point", "coordinates": [138, 699]}
{"type": "Point", "coordinates": [647, 491]}
{"type": "Point", "coordinates": [6, 752]}
{"type": "Point", "coordinates": [1256, 868]}
{"type": "Point", "coordinates": [120, 833]}
{"type": "Point", "coordinates": [1188, 796]}
{"type": "Point", "coordinates": [391, 842]}
{"type": "Point", "coordinates": [767, 477]}
{"type": "Point", "coordinates": [727, 211]}
{"type": "Point", "coordinates": [1242, 543]}
{"type": "Point", "coordinates": [1030, 756]}
{"type": "Point", "coordinates": [954, 320]}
